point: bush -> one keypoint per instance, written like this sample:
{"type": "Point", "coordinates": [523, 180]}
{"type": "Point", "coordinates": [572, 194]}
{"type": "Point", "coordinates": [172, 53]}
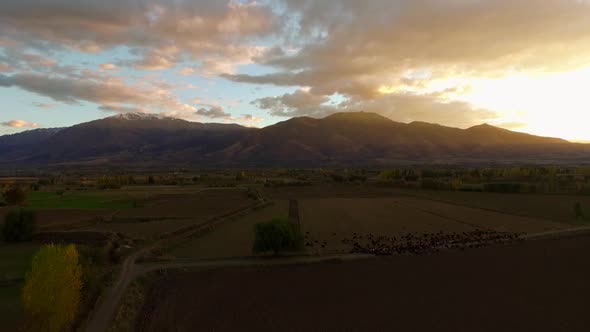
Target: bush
{"type": "Point", "coordinates": [508, 187]}
{"type": "Point", "coordinates": [431, 184]}
{"type": "Point", "coordinates": [254, 194]}
{"type": "Point", "coordinates": [277, 235]}
{"type": "Point", "coordinates": [578, 210]}
{"type": "Point", "coordinates": [19, 225]}
{"type": "Point", "coordinates": [14, 195]}
{"type": "Point", "coordinates": [51, 295]}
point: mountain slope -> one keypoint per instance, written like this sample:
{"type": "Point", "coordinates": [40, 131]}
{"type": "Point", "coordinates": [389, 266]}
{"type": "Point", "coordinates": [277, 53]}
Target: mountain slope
{"type": "Point", "coordinates": [342, 138]}
{"type": "Point", "coordinates": [19, 145]}
{"type": "Point", "coordinates": [363, 136]}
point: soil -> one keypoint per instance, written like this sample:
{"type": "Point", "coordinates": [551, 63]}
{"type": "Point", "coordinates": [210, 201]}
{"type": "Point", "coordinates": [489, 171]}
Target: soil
{"type": "Point", "coordinates": [539, 285]}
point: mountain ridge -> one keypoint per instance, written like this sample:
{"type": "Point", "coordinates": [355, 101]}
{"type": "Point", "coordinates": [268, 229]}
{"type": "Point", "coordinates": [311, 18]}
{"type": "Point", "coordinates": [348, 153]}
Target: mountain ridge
{"type": "Point", "coordinates": [345, 138]}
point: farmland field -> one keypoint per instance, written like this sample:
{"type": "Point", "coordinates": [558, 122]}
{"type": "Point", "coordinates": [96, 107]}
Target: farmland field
{"type": "Point", "coordinates": [559, 208]}
{"type": "Point", "coordinates": [233, 238]}
{"type": "Point", "coordinates": [167, 212]}
{"type": "Point", "coordinates": [327, 221]}
{"type": "Point", "coordinates": [536, 286]}
{"type": "Point", "coordinates": [78, 200]}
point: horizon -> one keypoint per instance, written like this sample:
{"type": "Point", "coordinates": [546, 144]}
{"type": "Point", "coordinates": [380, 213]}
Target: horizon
{"type": "Point", "coordinates": [160, 116]}
{"type": "Point", "coordinates": [521, 65]}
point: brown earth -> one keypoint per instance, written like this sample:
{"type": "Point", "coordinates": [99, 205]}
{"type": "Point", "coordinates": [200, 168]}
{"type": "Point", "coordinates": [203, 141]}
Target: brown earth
{"type": "Point", "coordinates": [326, 222]}
{"type": "Point", "coordinates": [203, 204]}
{"type": "Point", "coordinates": [535, 286]}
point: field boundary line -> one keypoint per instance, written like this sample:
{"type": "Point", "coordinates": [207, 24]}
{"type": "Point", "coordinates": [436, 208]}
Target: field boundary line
{"type": "Point", "coordinates": [570, 232]}
{"type": "Point", "coordinates": [100, 318]}
{"type": "Point", "coordinates": [440, 200]}
{"type": "Point", "coordinates": [436, 214]}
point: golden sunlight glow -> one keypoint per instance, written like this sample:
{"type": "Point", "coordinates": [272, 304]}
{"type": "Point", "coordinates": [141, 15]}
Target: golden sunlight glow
{"type": "Point", "coordinates": [555, 104]}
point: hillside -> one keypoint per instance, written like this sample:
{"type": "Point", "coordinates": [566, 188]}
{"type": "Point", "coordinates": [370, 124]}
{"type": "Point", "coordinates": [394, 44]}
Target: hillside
{"type": "Point", "coordinates": [342, 138]}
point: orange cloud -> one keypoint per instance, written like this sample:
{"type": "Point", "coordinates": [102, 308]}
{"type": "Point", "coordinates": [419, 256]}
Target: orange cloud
{"type": "Point", "coordinates": [19, 124]}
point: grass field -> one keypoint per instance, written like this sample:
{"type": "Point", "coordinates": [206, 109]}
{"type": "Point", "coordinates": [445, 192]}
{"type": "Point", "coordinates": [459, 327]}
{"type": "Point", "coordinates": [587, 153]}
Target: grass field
{"type": "Point", "coordinates": [231, 239]}
{"type": "Point", "coordinates": [79, 200]}
{"type": "Point", "coordinates": [167, 212]}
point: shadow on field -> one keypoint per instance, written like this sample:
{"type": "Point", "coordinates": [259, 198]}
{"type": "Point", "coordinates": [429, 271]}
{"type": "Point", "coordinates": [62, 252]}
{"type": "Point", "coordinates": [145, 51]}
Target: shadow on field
{"type": "Point", "coordinates": [539, 285]}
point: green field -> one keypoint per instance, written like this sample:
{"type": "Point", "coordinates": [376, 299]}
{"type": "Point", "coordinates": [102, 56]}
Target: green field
{"type": "Point", "coordinates": [231, 239]}
{"type": "Point", "coordinates": [79, 200]}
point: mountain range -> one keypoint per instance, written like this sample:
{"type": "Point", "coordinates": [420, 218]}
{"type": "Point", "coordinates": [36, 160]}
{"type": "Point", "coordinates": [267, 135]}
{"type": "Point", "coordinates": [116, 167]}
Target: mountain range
{"type": "Point", "coordinates": [345, 139]}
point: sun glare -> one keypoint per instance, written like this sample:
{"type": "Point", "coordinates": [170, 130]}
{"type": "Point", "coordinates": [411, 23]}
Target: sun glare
{"type": "Point", "coordinates": [546, 104]}
{"type": "Point", "coordinates": [556, 104]}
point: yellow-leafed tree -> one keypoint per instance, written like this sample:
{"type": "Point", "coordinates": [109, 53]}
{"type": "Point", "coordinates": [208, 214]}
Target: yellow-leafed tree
{"type": "Point", "coordinates": [51, 295]}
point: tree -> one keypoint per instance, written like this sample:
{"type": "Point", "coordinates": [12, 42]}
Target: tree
{"type": "Point", "coordinates": [14, 195]}
{"type": "Point", "coordinates": [578, 210]}
{"type": "Point", "coordinates": [277, 235]}
{"type": "Point", "coordinates": [51, 295]}
{"type": "Point", "coordinates": [19, 225]}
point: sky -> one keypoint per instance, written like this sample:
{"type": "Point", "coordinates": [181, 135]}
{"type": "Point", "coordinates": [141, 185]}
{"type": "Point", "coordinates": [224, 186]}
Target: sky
{"type": "Point", "coordinates": [522, 65]}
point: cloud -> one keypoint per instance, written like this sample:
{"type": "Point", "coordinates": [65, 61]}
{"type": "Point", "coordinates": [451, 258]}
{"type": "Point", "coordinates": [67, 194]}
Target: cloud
{"type": "Point", "coordinates": [213, 112]}
{"type": "Point", "coordinates": [4, 67]}
{"type": "Point", "coordinates": [108, 66]}
{"type": "Point", "coordinates": [44, 105]}
{"type": "Point", "coordinates": [419, 50]}
{"type": "Point", "coordinates": [401, 107]}
{"type": "Point", "coordinates": [19, 124]}
{"type": "Point", "coordinates": [112, 94]}
{"type": "Point", "coordinates": [250, 120]}
{"type": "Point", "coordinates": [122, 109]}
{"type": "Point", "coordinates": [298, 103]}
{"type": "Point", "coordinates": [160, 33]}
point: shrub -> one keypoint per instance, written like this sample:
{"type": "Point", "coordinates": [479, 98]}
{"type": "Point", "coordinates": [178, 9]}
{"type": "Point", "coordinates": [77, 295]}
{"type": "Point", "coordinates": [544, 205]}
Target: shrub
{"type": "Point", "coordinates": [254, 194]}
{"type": "Point", "coordinates": [14, 195]}
{"type": "Point", "coordinates": [578, 210]}
{"type": "Point", "coordinates": [19, 225]}
{"type": "Point", "coordinates": [51, 294]}
{"type": "Point", "coordinates": [277, 235]}
{"type": "Point", "coordinates": [508, 187]}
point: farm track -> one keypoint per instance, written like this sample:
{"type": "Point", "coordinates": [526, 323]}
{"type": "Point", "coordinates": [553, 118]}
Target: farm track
{"type": "Point", "coordinates": [107, 305]}
{"type": "Point", "coordinates": [101, 318]}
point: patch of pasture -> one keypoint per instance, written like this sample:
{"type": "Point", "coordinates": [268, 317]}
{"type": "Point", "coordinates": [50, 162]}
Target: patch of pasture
{"type": "Point", "coordinates": [141, 229]}
{"type": "Point", "coordinates": [79, 200]}
{"type": "Point", "coordinates": [190, 205]}
{"type": "Point", "coordinates": [233, 238]}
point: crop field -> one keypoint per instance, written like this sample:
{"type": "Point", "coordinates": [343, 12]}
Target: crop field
{"type": "Point", "coordinates": [233, 238]}
{"type": "Point", "coordinates": [326, 222]}
{"type": "Point", "coordinates": [167, 212]}
{"type": "Point", "coordinates": [535, 286]}
{"type": "Point", "coordinates": [78, 200]}
{"type": "Point", "coordinates": [195, 205]}
{"type": "Point", "coordinates": [50, 220]}
{"type": "Point", "coordinates": [559, 208]}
